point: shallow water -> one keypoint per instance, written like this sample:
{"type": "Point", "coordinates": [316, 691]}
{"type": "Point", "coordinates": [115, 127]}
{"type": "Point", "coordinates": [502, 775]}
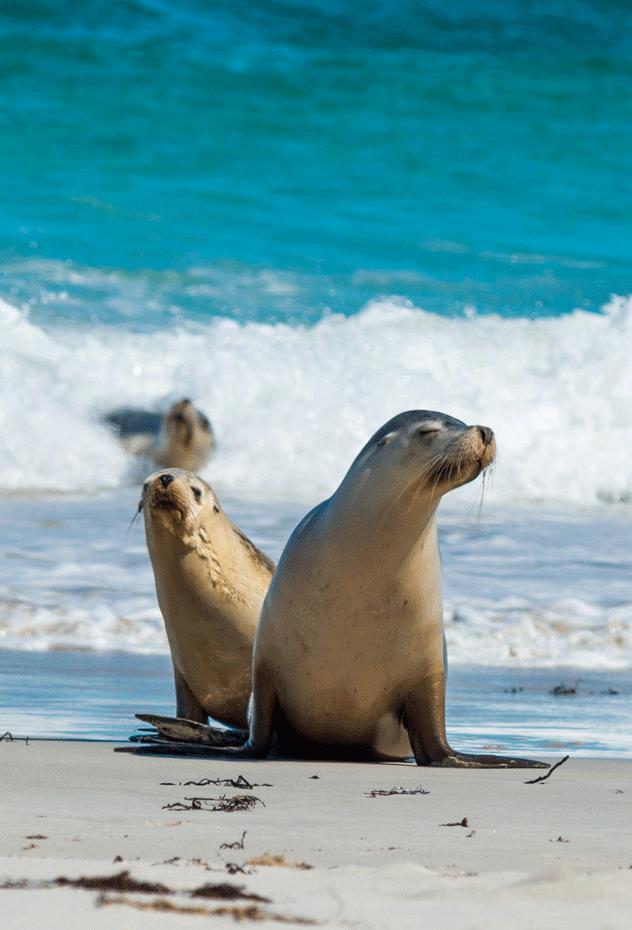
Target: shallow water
{"type": "Point", "coordinates": [78, 695]}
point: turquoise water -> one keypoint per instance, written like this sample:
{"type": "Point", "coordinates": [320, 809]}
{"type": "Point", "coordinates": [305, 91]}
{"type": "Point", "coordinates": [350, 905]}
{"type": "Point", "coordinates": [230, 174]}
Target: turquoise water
{"type": "Point", "coordinates": [474, 155]}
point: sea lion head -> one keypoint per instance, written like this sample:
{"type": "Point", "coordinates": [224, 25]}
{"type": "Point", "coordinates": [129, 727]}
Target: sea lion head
{"type": "Point", "coordinates": [179, 507]}
{"type": "Point", "coordinates": [423, 453]}
{"type": "Point", "coordinates": [179, 502]}
{"type": "Point", "coordinates": [182, 421]}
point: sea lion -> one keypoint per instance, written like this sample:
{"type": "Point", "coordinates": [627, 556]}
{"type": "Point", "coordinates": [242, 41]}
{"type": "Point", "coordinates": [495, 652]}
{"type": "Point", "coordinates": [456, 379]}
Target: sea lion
{"type": "Point", "coordinates": [211, 582]}
{"type": "Point", "coordinates": [349, 659]}
{"type": "Point", "coordinates": [180, 438]}
{"type": "Point", "coordinates": [186, 439]}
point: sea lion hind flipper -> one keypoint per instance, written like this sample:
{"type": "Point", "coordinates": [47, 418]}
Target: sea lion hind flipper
{"type": "Point", "coordinates": [464, 760]}
{"type": "Point", "coordinates": [189, 731]}
{"type": "Point", "coordinates": [424, 718]}
{"type": "Point", "coordinates": [232, 743]}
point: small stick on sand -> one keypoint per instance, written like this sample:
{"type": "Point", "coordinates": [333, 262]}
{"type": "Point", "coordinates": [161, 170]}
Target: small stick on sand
{"type": "Point", "coordinates": [550, 772]}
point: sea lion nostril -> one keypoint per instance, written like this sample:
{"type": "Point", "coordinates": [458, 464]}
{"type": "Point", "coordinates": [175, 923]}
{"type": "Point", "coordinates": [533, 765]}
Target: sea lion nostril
{"type": "Point", "coordinates": [486, 434]}
{"type": "Point", "coordinates": [166, 480]}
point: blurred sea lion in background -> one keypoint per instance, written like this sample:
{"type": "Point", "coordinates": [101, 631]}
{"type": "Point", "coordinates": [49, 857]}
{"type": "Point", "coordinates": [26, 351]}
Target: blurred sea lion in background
{"type": "Point", "coordinates": [180, 438]}
{"type": "Point", "coordinates": [211, 582]}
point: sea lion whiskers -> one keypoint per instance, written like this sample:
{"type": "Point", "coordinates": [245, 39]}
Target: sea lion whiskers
{"type": "Point", "coordinates": [396, 501]}
{"type": "Point", "coordinates": [418, 482]}
{"type": "Point", "coordinates": [486, 476]}
{"type": "Point", "coordinates": [443, 468]}
{"type": "Point", "coordinates": [446, 467]}
{"type": "Point", "coordinates": [421, 477]}
{"type": "Point", "coordinates": [135, 517]}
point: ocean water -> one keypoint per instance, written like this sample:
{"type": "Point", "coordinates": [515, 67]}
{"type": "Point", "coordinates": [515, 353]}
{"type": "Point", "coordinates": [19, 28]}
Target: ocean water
{"type": "Point", "coordinates": [308, 217]}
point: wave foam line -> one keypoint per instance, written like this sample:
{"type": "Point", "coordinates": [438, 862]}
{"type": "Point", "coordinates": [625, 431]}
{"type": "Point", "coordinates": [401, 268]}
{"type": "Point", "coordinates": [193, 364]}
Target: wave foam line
{"type": "Point", "coordinates": [292, 405]}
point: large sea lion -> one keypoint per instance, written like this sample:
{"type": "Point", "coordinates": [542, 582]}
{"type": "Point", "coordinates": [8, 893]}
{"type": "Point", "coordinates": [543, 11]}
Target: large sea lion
{"type": "Point", "coordinates": [211, 582]}
{"type": "Point", "coordinates": [180, 438]}
{"type": "Point", "coordinates": [349, 659]}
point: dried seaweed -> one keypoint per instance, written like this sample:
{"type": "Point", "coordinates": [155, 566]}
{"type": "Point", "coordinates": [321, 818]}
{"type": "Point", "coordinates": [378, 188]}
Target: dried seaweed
{"type": "Point", "coordinates": [250, 912]}
{"type": "Point", "coordinates": [240, 802]}
{"type": "Point", "coordinates": [268, 859]}
{"type": "Point", "coordinates": [563, 690]}
{"type": "Point", "coordinates": [239, 782]}
{"type": "Point", "coordinates": [382, 793]}
{"type": "Point", "coordinates": [226, 892]}
{"type": "Point", "coordinates": [121, 882]}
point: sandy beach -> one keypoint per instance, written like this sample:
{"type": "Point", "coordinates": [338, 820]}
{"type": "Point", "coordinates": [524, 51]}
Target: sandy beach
{"type": "Point", "coordinates": [312, 842]}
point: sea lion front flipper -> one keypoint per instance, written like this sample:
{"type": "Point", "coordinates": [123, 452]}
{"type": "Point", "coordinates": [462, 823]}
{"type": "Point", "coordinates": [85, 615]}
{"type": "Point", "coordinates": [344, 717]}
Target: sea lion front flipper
{"type": "Point", "coordinates": [261, 713]}
{"type": "Point", "coordinates": [188, 731]}
{"type": "Point", "coordinates": [424, 718]}
{"type": "Point", "coordinates": [187, 705]}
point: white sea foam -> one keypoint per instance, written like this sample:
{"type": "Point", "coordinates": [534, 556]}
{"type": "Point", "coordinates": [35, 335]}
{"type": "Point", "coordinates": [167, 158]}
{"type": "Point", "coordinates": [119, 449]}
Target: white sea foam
{"type": "Point", "coordinates": [291, 406]}
{"type": "Point", "coordinates": [573, 636]}
{"type": "Point", "coordinates": [567, 634]}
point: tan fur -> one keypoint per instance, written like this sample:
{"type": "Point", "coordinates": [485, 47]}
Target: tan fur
{"type": "Point", "coordinates": [185, 441]}
{"type": "Point", "coordinates": [210, 582]}
{"type": "Point", "coordinates": [349, 654]}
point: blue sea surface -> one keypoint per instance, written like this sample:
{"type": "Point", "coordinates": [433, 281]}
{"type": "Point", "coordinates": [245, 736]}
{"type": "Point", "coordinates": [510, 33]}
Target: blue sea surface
{"type": "Point", "coordinates": [474, 154]}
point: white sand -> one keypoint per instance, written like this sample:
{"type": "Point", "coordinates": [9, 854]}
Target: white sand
{"type": "Point", "coordinates": [551, 855]}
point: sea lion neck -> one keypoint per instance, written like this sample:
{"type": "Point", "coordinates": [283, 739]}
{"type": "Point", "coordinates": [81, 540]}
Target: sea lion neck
{"type": "Point", "coordinates": [384, 533]}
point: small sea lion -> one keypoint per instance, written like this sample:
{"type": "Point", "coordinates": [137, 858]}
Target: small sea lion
{"type": "Point", "coordinates": [180, 438]}
{"type": "Point", "coordinates": [349, 659]}
{"type": "Point", "coordinates": [211, 582]}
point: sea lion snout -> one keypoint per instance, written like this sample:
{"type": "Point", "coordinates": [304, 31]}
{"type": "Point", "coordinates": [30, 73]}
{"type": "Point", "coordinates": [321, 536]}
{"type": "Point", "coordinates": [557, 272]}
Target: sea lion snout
{"type": "Point", "coordinates": [487, 435]}
{"type": "Point", "coordinates": [488, 450]}
{"type": "Point", "coordinates": [165, 479]}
